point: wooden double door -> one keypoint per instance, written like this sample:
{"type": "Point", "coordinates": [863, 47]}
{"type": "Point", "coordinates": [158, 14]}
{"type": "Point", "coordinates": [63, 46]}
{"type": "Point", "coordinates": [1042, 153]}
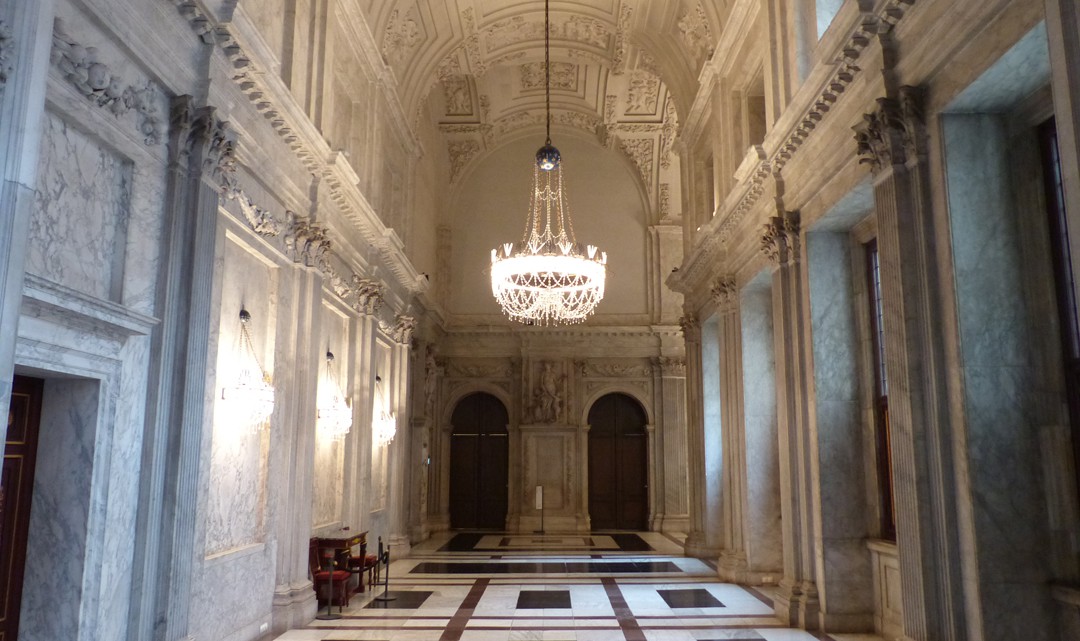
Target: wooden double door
{"type": "Point", "coordinates": [479, 463]}
{"type": "Point", "coordinates": [618, 464]}
{"type": "Point", "coordinates": [16, 492]}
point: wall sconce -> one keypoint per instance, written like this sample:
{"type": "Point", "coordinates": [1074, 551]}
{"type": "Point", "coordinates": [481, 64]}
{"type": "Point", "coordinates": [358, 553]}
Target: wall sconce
{"type": "Point", "coordinates": [383, 423]}
{"type": "Point", "coordinates": [250, 398]}
{"type": "Point", "coordinates": [334, 416]}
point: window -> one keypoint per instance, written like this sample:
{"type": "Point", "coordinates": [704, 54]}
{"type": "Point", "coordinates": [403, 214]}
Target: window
{"type": "Point", "coordinates": [882, 438]}
{"type": "Point", "coordinates": [1064, 284]}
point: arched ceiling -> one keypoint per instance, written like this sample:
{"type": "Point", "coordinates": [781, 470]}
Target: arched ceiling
{"type": "Point", "coordinates": [476, 66]}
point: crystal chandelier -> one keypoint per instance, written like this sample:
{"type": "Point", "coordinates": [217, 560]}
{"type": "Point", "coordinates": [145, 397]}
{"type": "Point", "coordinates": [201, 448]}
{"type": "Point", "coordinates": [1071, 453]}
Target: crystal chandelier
{"type": "Point", "coordinates": [250, 398]}
{"type": "Point", "coordinates": [547, 278]}
{"type": "Point", "coordinates": [334, 414]}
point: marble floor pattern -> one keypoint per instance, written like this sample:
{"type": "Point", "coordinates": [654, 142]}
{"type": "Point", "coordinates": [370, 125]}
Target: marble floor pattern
{"type": "Point", "coordinates": [556, 587]}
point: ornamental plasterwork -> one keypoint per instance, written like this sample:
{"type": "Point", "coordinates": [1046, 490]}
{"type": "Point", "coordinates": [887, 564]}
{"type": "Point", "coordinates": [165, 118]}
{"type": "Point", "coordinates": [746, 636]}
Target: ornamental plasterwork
{"type": "Point", "coordinates": [486, 370]}
{"type": "Point", "coordinates": [7, 53]}
{"type": "Point", "coordinates": [612, 370]}
{"type": "Point", "coordinates": [691, 328]}
{"type": "Point", "coordinates": [401, 36]}
{"type": "Point", "coordinates": [665, 201]}
{"type": "Point", "coordinates": [893, 132]}
{"type": "Point", "coordinates": [622, 29]}
{"type": "Point", "coordinates": [640, 151]}
{"type": "Point", "coordinates": [472, 43]}
{"type": "Point", "coordinates": [95, 80]}
{"type": "Point", "coordinates": [458, 96]}
{"type": "Point", "coordinates": [564, 75]}
{"type": "Point", "coordinates": [643, 94]}
{"type": "Point", "coordinates": [694, 29]}
{"type": "Point", "coordinates": [461, 152]}
{"type": "Point", "coordinates": [671, 129]}
{"type": "Point", "coordinates": [261, 221]}
{"type": "Point", "coordinates": [517, 29]}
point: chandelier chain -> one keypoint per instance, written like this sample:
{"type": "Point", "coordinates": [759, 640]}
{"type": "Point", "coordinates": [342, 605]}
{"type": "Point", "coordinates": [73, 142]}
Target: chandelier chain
{"type": "Point", "coordinates": [547, 69]}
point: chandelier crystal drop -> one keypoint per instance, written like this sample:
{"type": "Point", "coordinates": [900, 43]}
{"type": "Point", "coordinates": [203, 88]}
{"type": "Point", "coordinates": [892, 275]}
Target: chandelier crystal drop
{"type": "Point", "coordinates": [335, 417]}
{"type": "Point", "coordinates": [383, 423]}
{"type": "Point", "coordinates": [548, 278]}
{"type": "Point", "coordinates": [250, 397]}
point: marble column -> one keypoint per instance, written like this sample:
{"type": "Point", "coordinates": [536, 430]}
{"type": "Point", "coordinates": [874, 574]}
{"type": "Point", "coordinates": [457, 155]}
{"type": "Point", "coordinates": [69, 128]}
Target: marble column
{"type": "Point", "coordinates": [668, 481]}
{"type": "Point", "coordinates": [25, 39]}
{"type": "Point", "coordinates": [751, 547]}
{"type": "Point", "coordinates": [292, 444]}
{"type": "Point", "coordinates": [357, 511]}
{"type": "Point", "coordinates": [796, 601]}
{"type": "Point", "coordinates": [695, 442]}
{"type": "Point", "coordinates": [201, 157]}
{"type": "Point", "coordinates": [400, 461]}
{"type": "Point", "coordinates": [425, 385]}
{"type": "Point", "coordinates": [892, 141]}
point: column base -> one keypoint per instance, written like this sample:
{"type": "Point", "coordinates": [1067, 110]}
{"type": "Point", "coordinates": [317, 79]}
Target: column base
{"type": "Point", "coordinates": [796, 604]}
{"type": "Point", "coordinates": [696, 546]}
{"type": "Point", "coordinates": [399, 546]}
{"type": "Point", "coordinates": [735, 569]}
{"type": "Point", "coordinates": [670, 523]}
{"type": "Point", "coordinates": [293, 606]}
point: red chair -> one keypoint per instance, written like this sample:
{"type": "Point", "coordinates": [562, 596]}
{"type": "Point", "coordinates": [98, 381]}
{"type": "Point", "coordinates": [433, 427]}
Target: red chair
{"type": "Point", "coordinates": [360, 565]}
{"type": "Point", "coordinates": [323, 575]}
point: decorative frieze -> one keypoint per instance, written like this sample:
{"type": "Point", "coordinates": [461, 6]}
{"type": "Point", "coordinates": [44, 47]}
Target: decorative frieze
{"type": "Point", "coordinates": [725, 293]}
{"type": "Point", "coordinates": [589, 369]}
{"type": "Point", "coordinates": [100, 84]}
{"type": "Point", "coordinates": [479, 369]}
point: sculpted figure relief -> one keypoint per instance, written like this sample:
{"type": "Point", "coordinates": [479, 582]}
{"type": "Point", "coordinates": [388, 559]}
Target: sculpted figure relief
{"type": "Point", "coordinates": [547, 400]}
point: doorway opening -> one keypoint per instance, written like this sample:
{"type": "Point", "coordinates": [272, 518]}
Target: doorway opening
{"type": "Point", "coordinates": [618, 464]}
{"type": "Point", "coordinates": [479, 463]}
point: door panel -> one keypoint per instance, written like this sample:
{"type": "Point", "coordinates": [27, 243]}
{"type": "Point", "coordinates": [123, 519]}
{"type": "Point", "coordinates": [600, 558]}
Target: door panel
{"type": "Point", "coordinates": [618, 464]}
{"type": "Point", "coordinates": [16, 492]}
{"type": "Point", "coordinates": [479, 463]}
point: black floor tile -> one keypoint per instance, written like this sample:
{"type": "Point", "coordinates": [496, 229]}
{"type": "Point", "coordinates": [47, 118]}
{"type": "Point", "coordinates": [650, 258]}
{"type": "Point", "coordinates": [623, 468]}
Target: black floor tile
{"type": "Point", "coordinates": [581, 567]}
{"type": "Point", "coordinates": [543, 599]}
{"type": "Point", "coordinates": [410, 599]}
{"type": "Point", "coordinates": [695, 598]}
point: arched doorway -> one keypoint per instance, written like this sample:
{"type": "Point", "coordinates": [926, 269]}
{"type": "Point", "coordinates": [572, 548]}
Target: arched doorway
{"type": "Point", "coordinates": [618, 464]}
{"type": "Point", "coordinates": [478, 463]}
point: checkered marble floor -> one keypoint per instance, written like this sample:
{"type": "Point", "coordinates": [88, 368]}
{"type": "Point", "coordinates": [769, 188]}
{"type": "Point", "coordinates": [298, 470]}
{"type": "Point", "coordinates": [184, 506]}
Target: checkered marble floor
{"type": "Point", "coordinates": [597, 587]}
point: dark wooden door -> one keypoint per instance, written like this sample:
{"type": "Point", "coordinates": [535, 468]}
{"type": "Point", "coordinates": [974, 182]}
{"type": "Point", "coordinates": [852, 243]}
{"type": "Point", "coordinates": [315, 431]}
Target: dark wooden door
{"type": "Point", "coordinates": [16, 491]}
{"type": "Point", "coordinates": [618, 464]}
{"type": "Point", "coordinates": [479, 458]}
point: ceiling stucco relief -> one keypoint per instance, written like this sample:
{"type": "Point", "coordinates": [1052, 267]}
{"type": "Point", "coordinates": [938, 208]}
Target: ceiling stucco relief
{"type": "Point", "coordinates": [643, 94]}
{"type": "Point", "coordinates": [580, 30]}
{"type": "Point", "coordinates": [403, 34]}
{"type": "Point", "coordinates": [694, 29]}
{"type": "Point", "coordinates": [564, 76]}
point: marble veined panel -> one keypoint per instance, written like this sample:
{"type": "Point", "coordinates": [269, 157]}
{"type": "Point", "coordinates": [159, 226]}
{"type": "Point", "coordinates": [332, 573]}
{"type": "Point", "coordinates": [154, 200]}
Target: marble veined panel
{"type": "Point", "coordinates": [329, 480]}
{"type": "Point", "coordinates": [79, 224]}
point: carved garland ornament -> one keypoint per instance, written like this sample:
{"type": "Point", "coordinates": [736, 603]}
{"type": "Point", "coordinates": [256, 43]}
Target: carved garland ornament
{"type": "Point", "coordinates": [79, 65]}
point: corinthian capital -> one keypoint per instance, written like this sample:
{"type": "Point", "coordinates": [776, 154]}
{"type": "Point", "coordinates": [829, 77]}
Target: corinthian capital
{"type": "Point", "coordinates": [780, 239]}
{"type": "Point", "coordinates": [725, 293]}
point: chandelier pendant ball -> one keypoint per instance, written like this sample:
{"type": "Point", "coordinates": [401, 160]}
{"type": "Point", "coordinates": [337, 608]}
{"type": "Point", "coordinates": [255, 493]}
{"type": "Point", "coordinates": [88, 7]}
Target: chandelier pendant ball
{"type": "Point", "coordinates": [547, 157]}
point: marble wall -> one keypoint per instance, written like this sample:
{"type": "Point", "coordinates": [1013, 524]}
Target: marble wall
{"type": "Point", "coordinates": [998, 377]}
{"type": "Point", "coordinates": [76, 174]}
{"type": "Point", "coordinates": [843, 562]}
{"type": "Point", "coordinates": [762, 516]}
